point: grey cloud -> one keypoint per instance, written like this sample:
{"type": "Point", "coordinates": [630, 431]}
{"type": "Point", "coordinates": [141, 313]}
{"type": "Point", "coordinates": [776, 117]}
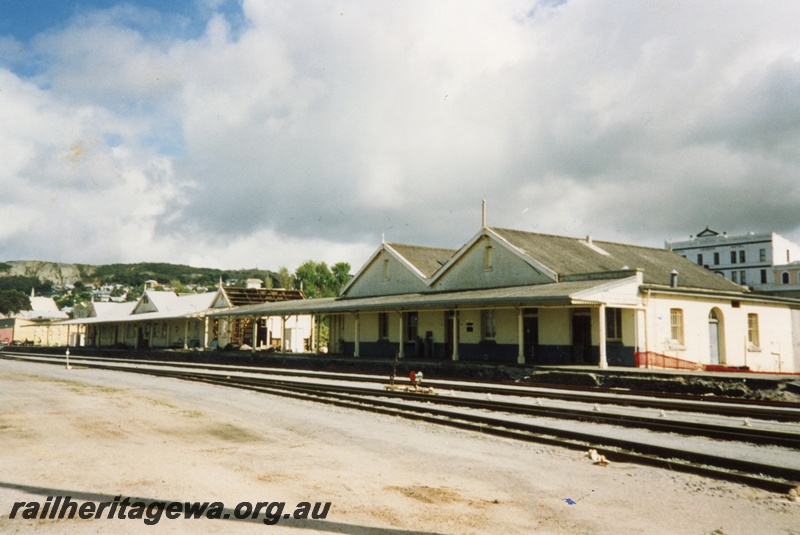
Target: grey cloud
{"type": "Point", "coordinates": [632, 122]}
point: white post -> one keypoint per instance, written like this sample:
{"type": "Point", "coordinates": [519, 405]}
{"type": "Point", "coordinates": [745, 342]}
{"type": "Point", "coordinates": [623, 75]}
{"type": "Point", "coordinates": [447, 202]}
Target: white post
{"type": "Point", "coordinates": [602, 336]}
{"type": "Point", "coordinates": [283, 333]}
{"type": "Point", "coordinates": [402, 337]}
{"type": "Point", "coordinates": [68, 366]}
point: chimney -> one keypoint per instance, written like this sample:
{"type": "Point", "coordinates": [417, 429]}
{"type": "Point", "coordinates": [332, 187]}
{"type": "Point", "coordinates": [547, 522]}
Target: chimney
{"type": "Point", "coordinates": [673, 279]}
{"type": "Point", "coordinates": [589, 239]}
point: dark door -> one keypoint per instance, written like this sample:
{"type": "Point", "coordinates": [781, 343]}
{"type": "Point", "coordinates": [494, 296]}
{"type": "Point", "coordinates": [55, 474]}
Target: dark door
{"type": "Point", "coordinates": [581, 338]}
{"type": "Point", "coordinates": [141, 341]}
{"type": "Point", "coordinates": [261, 339]}
{"type": "Point", "coordinates": [530, 340]}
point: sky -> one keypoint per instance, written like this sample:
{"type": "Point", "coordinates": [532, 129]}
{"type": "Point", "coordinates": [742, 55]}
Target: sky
{"type": "Point", "coordinates": [262, 134]}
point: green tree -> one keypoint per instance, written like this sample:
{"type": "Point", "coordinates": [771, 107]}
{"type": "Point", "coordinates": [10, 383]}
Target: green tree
{"type": "Point", "coordinates": [13, 301]}
{"type": "Point", "coordinates": [314, 279]}
{"type": "Point", "coordinates": [25, 284]}
{"type": "Point", "coordinates": [66, 301]}
{"type": "Point", "coordinates": [134, 293]}
{"type": "Point", "coordinates": [284, 278]}
{"type": "Point", "coordinates": [341, 276]}
{"type": "Point", "coordinates": [317, 280]}
{"type": "Point", "coordinates": [179, 287]}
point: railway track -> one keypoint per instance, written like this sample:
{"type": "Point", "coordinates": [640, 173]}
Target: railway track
{"type": "Point", "coordinates": [493, 417]}
{"type": "Point", "coordinates": [735, 408]}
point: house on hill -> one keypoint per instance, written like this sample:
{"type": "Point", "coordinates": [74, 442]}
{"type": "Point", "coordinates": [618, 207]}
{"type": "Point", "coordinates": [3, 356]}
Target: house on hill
{"type": "Point", "coordinates": [510, 296]}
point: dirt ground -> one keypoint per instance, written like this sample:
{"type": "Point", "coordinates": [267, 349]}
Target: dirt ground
{"type": "Point", "coordinates": [94, 435]}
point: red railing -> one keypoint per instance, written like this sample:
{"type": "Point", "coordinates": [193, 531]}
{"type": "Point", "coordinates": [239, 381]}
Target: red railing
{"type": "Point", "coordinates": [650, 359]}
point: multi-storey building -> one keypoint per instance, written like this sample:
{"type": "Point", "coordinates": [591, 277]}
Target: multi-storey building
{"type": "Point", "coordinates": [746, 259]}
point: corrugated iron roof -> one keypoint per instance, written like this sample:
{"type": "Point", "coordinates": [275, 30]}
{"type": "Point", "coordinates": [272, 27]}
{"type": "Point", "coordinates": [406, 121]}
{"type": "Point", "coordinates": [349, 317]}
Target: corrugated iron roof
{"type": "Point", "coordinates": [553, 294]}
{"type": "Point", "coordinates": [572, 256]}
{"type": "Point", "coordinates": [428, 260]}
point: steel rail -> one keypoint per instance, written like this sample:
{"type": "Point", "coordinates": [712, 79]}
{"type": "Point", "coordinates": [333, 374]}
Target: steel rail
{"type": "Point", "coordinates": [765, 476]}
{"type": "Point", "coordinates": [720, 432]}
{"type": "Point", "coordinates": [768, 411]}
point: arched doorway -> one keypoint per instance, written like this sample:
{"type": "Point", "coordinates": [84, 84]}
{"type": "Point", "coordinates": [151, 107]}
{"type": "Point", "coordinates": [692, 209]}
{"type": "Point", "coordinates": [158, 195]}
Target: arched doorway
{"type": "Point", "coordinates": [716, 338]}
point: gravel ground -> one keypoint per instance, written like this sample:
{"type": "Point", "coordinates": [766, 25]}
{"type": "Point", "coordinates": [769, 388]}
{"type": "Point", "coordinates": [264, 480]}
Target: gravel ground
{"type": "Point", "coordinates": [94, 435]}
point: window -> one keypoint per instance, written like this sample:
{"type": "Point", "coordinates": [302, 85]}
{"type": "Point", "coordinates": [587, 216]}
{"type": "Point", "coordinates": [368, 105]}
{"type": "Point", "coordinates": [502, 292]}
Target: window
{"type": "Point", "coordinates": [762, 255]}
{"type": "Point", "coordinates": [742, 256]}
{"type": "Point", "coordinates": [784, 278]}
{"type": "Point", "coordinates": [386, 269]}
{"type": "Point", "coordinates": [716, 259]}
{"type": "Point", "coordinates": [383, 326]}
{"type": "Point", "coordinates": [763, 276]}
{"type": "Point", "coordinates": [733, 257]}
{"type": "Point", "coordinates": [487, 258]}
{"type": "Point", "coordinates": [488, 321]}
{"type": "Point", "coordinates": [700, 260]}
{"type": "Point", "coordinates": [614, 324]}
{"type": "Point", "coordinates": [743, 278]}
{"type": "Point", "coordinates": [412, 324]}
{"type": "Point", "coordinates": [676, 325]}
{"type": "Point", "coordinates": [752, 330]}
{"type": "Point", "coordinates": [735, 276]}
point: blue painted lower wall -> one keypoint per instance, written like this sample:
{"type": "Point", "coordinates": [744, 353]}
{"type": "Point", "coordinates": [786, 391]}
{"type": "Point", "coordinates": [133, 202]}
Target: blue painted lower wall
{"type": "Point", "coordinates": [617, 354]}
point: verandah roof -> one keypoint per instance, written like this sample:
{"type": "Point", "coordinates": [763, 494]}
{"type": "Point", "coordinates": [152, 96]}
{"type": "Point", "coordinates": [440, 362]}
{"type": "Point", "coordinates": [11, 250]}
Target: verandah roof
{"type": "Point", "coordinates": [564, 293]}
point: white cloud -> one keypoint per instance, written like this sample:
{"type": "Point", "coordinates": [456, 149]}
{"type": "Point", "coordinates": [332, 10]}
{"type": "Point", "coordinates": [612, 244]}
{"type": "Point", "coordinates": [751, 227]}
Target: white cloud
{"type": "Point", "coordinates": [311, 128]}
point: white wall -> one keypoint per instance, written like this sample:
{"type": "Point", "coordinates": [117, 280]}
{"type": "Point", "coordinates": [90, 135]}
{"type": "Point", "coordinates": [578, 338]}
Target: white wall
{"type": "Point", "coordinates": [776, 345]}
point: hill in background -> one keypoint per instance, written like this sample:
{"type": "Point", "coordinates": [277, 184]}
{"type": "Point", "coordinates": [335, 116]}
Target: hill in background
{"type": "Point", "coordinates": [61, 274]}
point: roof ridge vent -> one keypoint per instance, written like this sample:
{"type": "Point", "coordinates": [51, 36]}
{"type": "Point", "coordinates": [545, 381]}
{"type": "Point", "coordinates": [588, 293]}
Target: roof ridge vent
{"type": "Point", "coordinates": [590, 244]}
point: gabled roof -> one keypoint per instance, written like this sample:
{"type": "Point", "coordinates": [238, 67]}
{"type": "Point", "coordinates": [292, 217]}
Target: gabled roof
{"type": "Point", "coordinates": [423, 262]}
{"type": "Point", "coordinates": [573, 256]}
{"type": "Point", "coordinates": [707, 232]}
{"type": "Point", "coordinates": [427, 260]}
{"type": "Point", "coordinates": [483, 233]}
{"type": "Point", "coordinates": [42, 308]}
{"type": "Point", "coordinates": [171, 305]}
{"type": "Point", "coordinates": [110, 310]}
{"type": "Point", "coordinates": [562, 258]}
{"type": "Point", "coordinates": [43, 304]}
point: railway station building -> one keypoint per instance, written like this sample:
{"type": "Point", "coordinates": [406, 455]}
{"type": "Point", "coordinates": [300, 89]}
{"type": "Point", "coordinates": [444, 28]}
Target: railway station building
{"type": "Point", "coordinates": [165, 319]}
{"type": "Point", "coordinates": [509, 296]}
{"type": "Point", "coordinates": [39, 326]}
